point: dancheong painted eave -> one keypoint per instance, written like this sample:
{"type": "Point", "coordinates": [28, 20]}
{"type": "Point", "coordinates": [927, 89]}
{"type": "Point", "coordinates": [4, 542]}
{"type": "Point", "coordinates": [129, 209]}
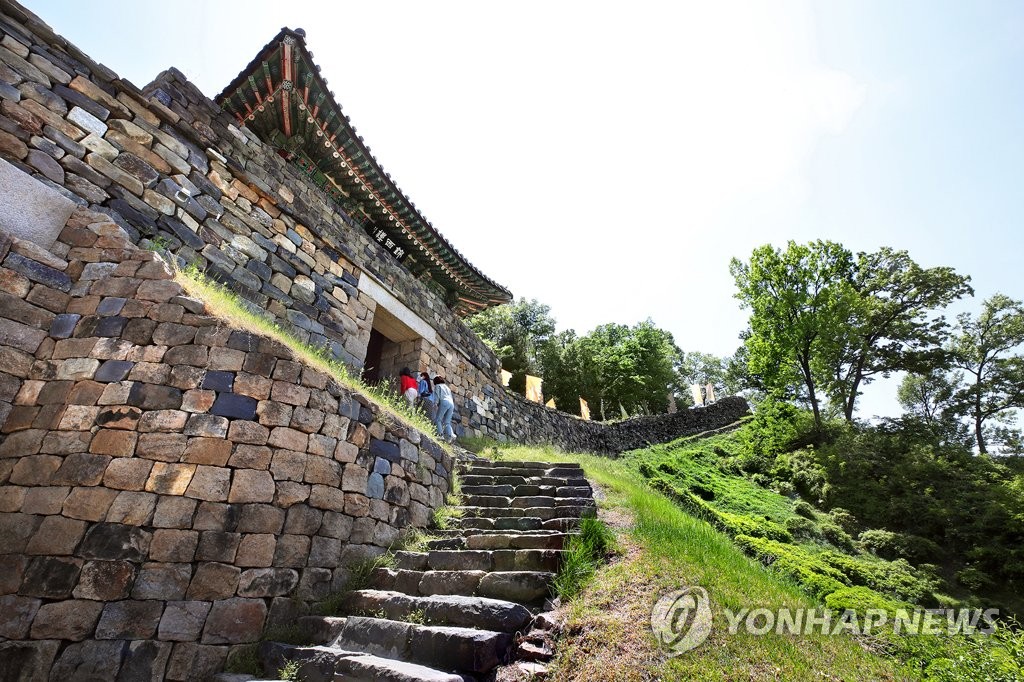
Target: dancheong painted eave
{"type": "Point", "coordinates": [282, 97]}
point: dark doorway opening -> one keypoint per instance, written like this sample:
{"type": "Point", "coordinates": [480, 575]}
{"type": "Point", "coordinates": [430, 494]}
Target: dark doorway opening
{"type": "Point", "coordinates": [374, 354]}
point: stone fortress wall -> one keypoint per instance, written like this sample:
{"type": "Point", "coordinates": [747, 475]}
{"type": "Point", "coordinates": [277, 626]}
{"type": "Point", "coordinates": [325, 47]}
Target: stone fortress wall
{"type": "Point", "coordinates": [170, 486]}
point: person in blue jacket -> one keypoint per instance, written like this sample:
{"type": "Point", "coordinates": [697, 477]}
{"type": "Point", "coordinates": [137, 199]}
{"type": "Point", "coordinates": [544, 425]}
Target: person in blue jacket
{"type": "Point", "coordinates": [445, 409]}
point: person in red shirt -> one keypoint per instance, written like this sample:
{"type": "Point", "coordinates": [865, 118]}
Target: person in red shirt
{"type": "Point", "coordinates": [409, 387]}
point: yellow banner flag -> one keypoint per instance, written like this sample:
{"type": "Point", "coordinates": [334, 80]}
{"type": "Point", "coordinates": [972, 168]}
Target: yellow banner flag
{"type": "Point", "coordinates": [698, 398]}
{"type": "Point", "coordinates": [584, 409]}
{"type": "Point", "coordinates": [551, 404]}
{"type": "Point", "coordinates": [505, 377]}
{"type": "Point", "coordinates": [533, 389]}
{"type": "Point", "coordinates": [710, 390]}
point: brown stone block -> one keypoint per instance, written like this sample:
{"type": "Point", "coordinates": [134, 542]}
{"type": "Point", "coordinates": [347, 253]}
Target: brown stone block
{"type": "Point", "coordinates": [216, 516]}
{"type": "Point", "coordinates": [214, 581]}
{"type": "Point", "coordinates": [12, 569]}
{"type": "Point", "coordinates": [226, 359]}
{"type": "Point", "coordinates": [288, 465]}
{"type": "Point", "coordinates": [127, 473]}
{"type": "Point", "coordinates": [56, 536]}
{"type": "Point", "coordinates": [235, 621]}
{"type": "Point", "coordinates": [346, 452]}
{"type": "Point", "coordinates": [187, 377]}
{"type": "Point", "coordinates": [288, 371]}
{"type": "Point", "coordinates": [119, 417]}
{"type": "Point", "coordinates": [320, 470]}
{"type": "Point", "coordinates": [86, 393]}
{"type": "Point", "coordinates": [242, 431]}
{"type": "Point", "coordinates": [210, 483]}
{"type": "Point", "coordinates": [273, 414]}
{"type": "Point", "coordinates": [292, 551]}
{"type": "Point", "coordinates": [253, 385]}
{"type": "Point", "coordinates": [150, 373]}
{"type": "Point", "coordinates": [74, 619]}
{"type": "Point", "coordinates": [290, 394]}
{"type": "Point", "coordinates": [12, 498]}
{"type": "Point", "coordinates": [354, 478]}
{"type": "Point", "coordinates": [43, 499]}
{"type": "Point", "coordinates": [208, 425]}
{"type": "Point", "coordinates": [327, 497]}
{"type": "Point", "coordinates": [183, 620]}
{"type": "Point", "coordinates": [217, 546]}
{"type": "Point", "coordinates": [105, 580]}
{"type": "Point", "coordinates": [260, 518]}
{"type": "Point", "coordinates": [336, 525]}
{"type": "Point", "coordinates": [194, 356]}
{"type": "Point", "coordinates": [88, 504]}
{"type": "Point", "coordinates": [358, 435]}
{"type": "Point", "coordinates": [195, 661]}
{"type": "Point", "coordinates": [132, 508]}
{"type": "Point", "coordinates": [18, 614]}
{"type": "Point", "coordinates": [198, 400]}
{"type": "Point", "coordinates": [162, 581]}
{"type": "Point", "coordinates": [174, 512]}
{"type": "Point", "coordinates": [252, 486]}
{"type": "Point", "coordinates": [171, 545]}
{"type": "Point", "coordinates": [49, 417]}
{"type": "Point", "coordinates": [114, 442]}
{"type": "Point", "coordinates": [250, 456]}
{"type": "Point", "coordinates": [357, 505]}
{"type": "Point", "coordinates": [81, 469]}
{"type": "Point", "coordinates": [256, 551]}
{"type": "Point", "coordinates": [289, 493]}
{"type": "Point", "coordinates": [170, 479]}
{"type": "Point", "coordinates": [261, 364]}
{"type": "Point", "coordinates": [129, 620]}
{"type": "Point", "coordinates": [212, 451]}
{"type": "Point", "coordinates": [35, 470]}
{"type": "Point", "coordinates": [303, 520]}
{"type": "Point", "coordinates": [288, 439]}
{"type": "Point", "coordinates": [165, 447]}
{"type": "Point", "coordinates": [321, 446]}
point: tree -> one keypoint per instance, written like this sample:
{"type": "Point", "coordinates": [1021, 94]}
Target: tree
{"type": "Point", "coordinates": [798, 300]}
{"type": "Point", "coordinates": [705, 368]}
{"type": "Point", "coordinates": [824, 320]}
{"type": "Point", "coordinates": [930, 397]}
{"type": "Point", "coordinates": [629, 369]}
{"type": "Point", "coordinates": [986, 348]}
{"type": "Point", "coordinates": [891, 323]}
{"type": "Point", "coordinates": [516, 332]}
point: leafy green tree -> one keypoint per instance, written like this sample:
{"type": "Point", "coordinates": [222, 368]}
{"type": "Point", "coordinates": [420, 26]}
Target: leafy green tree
{"type": "Point", "coordinates": [725, 374]}
{"type": "Point", "coordinates": [824, 321]}
{"type": "Point", "coordinates": [798, 301]}
{"type": "Point", "coordinates": [891, 323]}
{"type": "Point", "coordinates": [516, 332]}
{"type": "Point", "coordinates": [627, 370]}
{"type": "Point", "coordinates": [987, 348]}
{"type": "Point", "coordinates": [930, 397]}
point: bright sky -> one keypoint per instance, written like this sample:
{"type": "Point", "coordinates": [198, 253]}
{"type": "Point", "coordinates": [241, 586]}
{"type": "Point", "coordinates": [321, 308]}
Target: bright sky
{"type": "Point", "coordinates": [609, 159]}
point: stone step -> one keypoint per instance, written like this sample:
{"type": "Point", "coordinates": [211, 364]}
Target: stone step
{"type": "Point", "coordinates": [518, 523]}
{"type": "Point", "coordinates": [436, 646]}
{"type": "Point", "coordinates": [503, 463]}
{"type": "Point", "coordinates": [544, 513]}
{"type": "Point", "coordinates": [457, 610]}
{"type": "Point", "coordinates": [524, 490]}
{"type": "Point", "coordinates": [556, 481]}
{"type": "Point", "coordinates": [559, 472]}
{"type": "Point", "coordinates": [524, 587]}
{"type": "Point", "coordinates": [500, 540]}
{"type": "Point", "coordinates": [327, 664]}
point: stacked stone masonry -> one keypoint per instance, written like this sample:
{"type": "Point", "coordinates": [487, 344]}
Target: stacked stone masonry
{"type": "Point", "coordinates": [169, 486]}
{"type": "Point", "coordinates": [169, 166]}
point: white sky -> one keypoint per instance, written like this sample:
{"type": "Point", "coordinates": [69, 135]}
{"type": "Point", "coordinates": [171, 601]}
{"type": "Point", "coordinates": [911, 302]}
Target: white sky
{"type": "Point", "coordinates": [609, 159]}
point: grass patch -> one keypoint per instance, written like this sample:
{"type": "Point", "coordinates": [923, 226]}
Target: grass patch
{"type": "Point", "coordinates": [583, 554]}
{"type": "Point", "coordinates": [243, 660]}
{"type": "Point", "coordinates": [290, 671]}
{"type": "Point", "coordinates": [662, 548]}
{"type": "Point", "coordinates": [241, 314]}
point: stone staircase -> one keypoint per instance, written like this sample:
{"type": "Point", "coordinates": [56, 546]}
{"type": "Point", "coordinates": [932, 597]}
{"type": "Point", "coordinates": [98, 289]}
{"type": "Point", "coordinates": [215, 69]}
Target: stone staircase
{"type": "Point", "coordinates": [459, 610]}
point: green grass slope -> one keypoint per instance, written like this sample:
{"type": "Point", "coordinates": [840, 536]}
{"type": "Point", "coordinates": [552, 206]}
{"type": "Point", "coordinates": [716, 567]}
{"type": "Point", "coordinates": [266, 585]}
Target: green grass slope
{"type": "Point", "coordinates": [684, 517]}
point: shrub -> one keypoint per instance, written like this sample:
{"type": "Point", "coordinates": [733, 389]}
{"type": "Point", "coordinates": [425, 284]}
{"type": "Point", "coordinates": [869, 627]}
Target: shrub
{"type": "Point", "coordinates": [844, 519]}
{"type": "Point", "coordinates": [772, 431]}
{"type": "Point", "coordinates": [804, 509]}
{"type": "Point", "coordinates": [837, 536]}
{"type": "Point", "coordinates": [814, 575]}
{"type": "Point", "coordinates": [891, 545]}
{"type": "Point", "coordinates": [799, 527]}
{"type": "Point", "coordinates": [860, 599]}
{"type": "Point", "coordinates": [973, 578]}
{"type": "Point", "coordinates": [581, 557]}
